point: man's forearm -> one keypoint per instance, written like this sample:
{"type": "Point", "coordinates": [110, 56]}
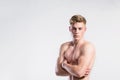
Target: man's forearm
{"type": "Point", "coordinates": [61, 71]}
{"type": "Point", "coordinates": [73, 70]}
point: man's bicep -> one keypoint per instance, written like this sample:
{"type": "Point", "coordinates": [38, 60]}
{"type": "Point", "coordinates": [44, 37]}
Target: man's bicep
{"type": "Point", "coordinates": [60, 58]}
{"type": "Point", "coordinates": [84, 61]}
{"type": "Point", "coordinates": [86, 58]}
{"type": "Point", "coordinates": [91, 62]}
{"type": "Point", "coordinates": [61, 53]}
{"type": "Point", "coordinates": [91, 52]}
{"type": "Point", "coordinates": [59, 69]}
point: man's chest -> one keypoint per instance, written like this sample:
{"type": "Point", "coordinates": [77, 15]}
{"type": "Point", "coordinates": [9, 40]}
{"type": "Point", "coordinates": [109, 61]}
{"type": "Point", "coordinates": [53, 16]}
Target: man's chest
{"type": "Point", "coordinates": [72, 54]}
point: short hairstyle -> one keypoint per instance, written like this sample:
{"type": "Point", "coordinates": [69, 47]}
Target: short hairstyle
{"type": "Point", "coordinates": [77, 18]}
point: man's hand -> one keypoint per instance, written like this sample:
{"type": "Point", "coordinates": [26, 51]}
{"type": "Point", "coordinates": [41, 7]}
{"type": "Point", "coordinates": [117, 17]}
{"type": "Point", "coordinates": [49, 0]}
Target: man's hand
{"type": "Point", "coordinates": [64, 63]}
{"type": "Point", "coordinates": [87, 72]}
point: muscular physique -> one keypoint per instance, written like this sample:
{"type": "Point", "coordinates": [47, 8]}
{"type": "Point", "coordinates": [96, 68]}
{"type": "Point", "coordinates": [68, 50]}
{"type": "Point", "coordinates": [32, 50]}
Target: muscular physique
{"type": "Point", "coordinates": [78, 60]}
{"type": "Point", "coordinates": [76, 57]}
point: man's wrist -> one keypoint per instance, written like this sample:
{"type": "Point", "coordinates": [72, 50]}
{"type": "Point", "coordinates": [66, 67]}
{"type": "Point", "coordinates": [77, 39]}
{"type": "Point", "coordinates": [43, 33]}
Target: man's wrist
{"type": "Point", "coordinates": [64, 64]}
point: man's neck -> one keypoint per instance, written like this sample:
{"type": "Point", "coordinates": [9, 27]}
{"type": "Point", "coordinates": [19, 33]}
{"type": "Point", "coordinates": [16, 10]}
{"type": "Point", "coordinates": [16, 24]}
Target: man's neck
{"type": "Point", "coordinates": [78, 42]}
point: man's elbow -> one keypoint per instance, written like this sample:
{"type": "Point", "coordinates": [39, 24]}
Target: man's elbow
{"type": "Point", "coordinates": [57, 73]}
{"type": "Point", "coordinates": [79, 73]}
{"type": "Point", "coordinates": [61, 74]}
{"type": "Point", "coordinates": [82, 73]}
{"type": "Point", "coordinates": [80, 76]}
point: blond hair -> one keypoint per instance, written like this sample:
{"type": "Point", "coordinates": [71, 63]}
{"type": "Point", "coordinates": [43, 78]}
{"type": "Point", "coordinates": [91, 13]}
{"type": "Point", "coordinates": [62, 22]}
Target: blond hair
{"type": "Point", "coordinates": [77, 18]}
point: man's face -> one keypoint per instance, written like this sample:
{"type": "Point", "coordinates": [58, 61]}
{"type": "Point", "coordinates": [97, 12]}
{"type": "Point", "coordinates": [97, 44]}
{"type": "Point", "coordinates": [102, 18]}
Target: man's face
{"type": "Point", "coordinates": [77, 30]}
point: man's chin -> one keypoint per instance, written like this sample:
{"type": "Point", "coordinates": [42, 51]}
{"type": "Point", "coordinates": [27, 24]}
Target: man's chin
{"type": "Point", "coordinates": [76, 39]}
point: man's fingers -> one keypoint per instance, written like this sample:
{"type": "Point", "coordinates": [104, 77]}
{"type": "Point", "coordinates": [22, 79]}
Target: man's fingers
{"type": "Point", "coordinates": [87, 72]}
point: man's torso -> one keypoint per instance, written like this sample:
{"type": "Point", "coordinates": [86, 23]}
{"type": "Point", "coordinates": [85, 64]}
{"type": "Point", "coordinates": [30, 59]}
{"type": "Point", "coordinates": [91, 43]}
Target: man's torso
{"type": "Point", "coordinates": [72, 54]}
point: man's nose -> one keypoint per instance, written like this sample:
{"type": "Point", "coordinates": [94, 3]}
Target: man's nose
{"type": "Point", "coordinates": [76, 31]}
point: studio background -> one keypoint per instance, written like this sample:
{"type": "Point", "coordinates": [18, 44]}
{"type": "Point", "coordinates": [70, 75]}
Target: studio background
{"type": "Point", "coordinates": [31, 32]}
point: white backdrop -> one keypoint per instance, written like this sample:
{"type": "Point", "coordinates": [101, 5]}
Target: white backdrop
{"type": "Point", "coordinates": [31, 32]}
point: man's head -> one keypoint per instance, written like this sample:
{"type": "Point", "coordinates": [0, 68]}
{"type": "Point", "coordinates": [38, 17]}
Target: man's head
{"type": "Point", "coordinates": [78, 26]}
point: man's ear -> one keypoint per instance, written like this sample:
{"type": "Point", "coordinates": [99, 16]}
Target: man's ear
{"type": "Point", "coordinates": [85, 28]}
{"type": "Point", "coordinates": [70, 28]}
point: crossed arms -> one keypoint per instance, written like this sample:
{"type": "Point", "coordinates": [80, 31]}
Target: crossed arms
{"type": "Point", "coordinates": [85, 62]}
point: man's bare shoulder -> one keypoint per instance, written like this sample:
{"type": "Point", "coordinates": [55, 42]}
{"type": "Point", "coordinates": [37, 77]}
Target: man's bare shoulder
{"type": "Point", "coordinates": [65, 44]}
{"type": "Point", "coordinates": [87, 43]}
{"type": "Point", "coordinates": [88, 46]}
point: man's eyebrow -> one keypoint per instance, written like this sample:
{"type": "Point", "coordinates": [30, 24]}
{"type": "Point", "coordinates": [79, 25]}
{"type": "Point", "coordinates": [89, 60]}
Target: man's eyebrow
{"type": "Point", "coordinates": [75, 27]}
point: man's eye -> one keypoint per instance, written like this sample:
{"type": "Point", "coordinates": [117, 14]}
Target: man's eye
{"type": "Point", "coordinates": [74, 28]}
{"type": "Point", "coordinates": [80, 28]}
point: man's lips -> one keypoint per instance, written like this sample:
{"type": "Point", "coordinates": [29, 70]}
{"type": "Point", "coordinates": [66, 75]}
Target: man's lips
{"type": "Point", "coordinates": [76, 35]}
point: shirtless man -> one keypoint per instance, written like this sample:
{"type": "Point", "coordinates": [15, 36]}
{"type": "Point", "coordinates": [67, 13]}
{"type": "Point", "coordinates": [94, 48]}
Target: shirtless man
{"type": "Point", "coordinates": [76, 57]}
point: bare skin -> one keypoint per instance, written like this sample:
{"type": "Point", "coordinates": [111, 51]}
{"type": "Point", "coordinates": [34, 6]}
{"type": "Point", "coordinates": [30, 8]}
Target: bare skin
{"type": "Point", "coordinates": [76, 57]}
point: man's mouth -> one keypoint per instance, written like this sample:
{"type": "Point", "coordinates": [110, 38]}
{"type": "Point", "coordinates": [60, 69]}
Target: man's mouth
{"type": "Point", "coordinates": [76, 35]}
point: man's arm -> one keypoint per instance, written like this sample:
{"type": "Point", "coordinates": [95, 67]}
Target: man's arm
{"type": "Point", "coordinates": [59, 70]}
{"type": "Point", "coordinates": [83, 62]}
